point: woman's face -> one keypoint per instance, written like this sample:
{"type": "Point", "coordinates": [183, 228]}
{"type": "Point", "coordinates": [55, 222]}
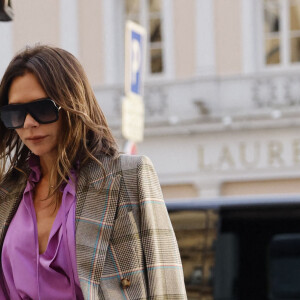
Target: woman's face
{"type": "Point", "coordinates": [41, 139]}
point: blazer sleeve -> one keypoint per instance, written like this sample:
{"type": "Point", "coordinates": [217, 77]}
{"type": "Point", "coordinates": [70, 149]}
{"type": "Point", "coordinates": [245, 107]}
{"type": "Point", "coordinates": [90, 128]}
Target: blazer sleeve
{"type": "Point", "coordinates": [163, 264]}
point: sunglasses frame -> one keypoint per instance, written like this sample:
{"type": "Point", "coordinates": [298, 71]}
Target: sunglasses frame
{"type": "Point", "coordinates": [26, 108]}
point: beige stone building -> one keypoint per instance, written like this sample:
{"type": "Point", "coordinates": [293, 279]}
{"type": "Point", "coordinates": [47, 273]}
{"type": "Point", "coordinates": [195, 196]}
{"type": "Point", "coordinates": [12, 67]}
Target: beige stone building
{"type": "Point", "coordinates": [222, 84]}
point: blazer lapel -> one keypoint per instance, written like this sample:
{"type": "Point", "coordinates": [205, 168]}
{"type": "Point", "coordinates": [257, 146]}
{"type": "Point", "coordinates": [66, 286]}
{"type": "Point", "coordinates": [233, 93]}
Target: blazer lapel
{"type": "Point", "coordinates": [9, 201]}
{"type": "Point", "coordinates": [95, 213]}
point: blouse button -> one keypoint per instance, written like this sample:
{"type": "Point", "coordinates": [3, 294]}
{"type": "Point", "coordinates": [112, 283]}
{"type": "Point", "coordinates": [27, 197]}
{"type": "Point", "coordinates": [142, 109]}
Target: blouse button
{"type": "Point", "coordinates": [125, 283]}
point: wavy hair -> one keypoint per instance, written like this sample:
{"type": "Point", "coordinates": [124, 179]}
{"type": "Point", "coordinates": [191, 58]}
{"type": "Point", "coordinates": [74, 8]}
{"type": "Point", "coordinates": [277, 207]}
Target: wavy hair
{"type": "Point", "coordinates": [86, 133]}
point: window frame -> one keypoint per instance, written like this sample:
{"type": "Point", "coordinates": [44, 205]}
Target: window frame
{"type": "Point", "coordinates": [284, 39]}
{"type": "Point", "coordinates": [144, 21]}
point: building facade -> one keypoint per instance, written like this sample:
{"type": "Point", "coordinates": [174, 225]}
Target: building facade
{"type": "Point", "coordinates": [222, 87]}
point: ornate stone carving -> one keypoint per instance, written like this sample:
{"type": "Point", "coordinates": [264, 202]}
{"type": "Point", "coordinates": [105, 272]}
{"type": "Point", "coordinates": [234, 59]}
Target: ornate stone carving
{"type": "Point", "coordinates": [117, 98]}
{"type": "Point", "coordinates": [155, 101]}
{"type": "Point", "coordinates": [264, 92]}
{"type": "Point", "coordinates": [279, 91]}
{"type": "Point", "coordinates": [292, 90]}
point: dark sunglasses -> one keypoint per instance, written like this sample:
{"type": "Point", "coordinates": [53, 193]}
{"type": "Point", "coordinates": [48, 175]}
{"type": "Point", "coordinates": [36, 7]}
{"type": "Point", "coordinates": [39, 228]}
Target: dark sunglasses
{"type": "Point", "coordinates": [43, 110]}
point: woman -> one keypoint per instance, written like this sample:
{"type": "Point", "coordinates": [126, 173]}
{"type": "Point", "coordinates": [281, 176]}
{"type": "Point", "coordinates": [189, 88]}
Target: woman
{"type": "Point", "coordinates": [77, 219]}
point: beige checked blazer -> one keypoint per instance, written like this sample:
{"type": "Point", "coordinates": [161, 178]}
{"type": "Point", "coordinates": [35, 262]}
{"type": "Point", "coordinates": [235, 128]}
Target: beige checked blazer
{"type": "Point", "coordinates": [125, 244]}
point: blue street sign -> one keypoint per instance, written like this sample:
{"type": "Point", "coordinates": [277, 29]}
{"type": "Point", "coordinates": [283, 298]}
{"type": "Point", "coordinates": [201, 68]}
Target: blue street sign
{"type": "Point", "coordinates": [136, 62]}
{"type": "Point", "coordinates": [134, 59]}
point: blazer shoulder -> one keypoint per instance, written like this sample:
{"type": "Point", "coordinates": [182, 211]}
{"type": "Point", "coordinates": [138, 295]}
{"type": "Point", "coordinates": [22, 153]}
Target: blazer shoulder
{"type": "Point", "coordinates": [134, 161]}
{"type": "Point", "coordinates": [121, 163]}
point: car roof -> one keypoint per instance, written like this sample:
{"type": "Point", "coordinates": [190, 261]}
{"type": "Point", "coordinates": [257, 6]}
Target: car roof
{"type": "Point", "coordinates": [233, 201]}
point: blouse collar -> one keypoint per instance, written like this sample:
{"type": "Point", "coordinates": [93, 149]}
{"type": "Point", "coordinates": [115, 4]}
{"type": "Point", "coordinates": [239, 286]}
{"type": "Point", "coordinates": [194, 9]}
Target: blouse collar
{"type": "Point", "coordinates": [35, 174]}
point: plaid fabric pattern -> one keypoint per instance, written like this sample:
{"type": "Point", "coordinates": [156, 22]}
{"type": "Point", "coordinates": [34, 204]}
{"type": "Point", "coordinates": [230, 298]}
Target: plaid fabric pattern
{"type": "Point", "coordinates": [122, 231]}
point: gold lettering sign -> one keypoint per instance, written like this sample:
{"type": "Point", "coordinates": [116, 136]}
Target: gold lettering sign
{"type": "Point", "coordinates": [275, 153]}
{"type": "Point", "coordinates": [296, 151]}
{"type": "Point", "coordinates": [203, 164]}
{"type": "Point", "coordinates": [249, 161]}
{"type": "Point", "coordinates": [249, 155]}
{"type": "Point", "coordinates": [226, 158]}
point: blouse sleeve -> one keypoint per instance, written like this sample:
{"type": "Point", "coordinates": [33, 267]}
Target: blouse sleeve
{"type": "Point", "coordinates": [162, 259]}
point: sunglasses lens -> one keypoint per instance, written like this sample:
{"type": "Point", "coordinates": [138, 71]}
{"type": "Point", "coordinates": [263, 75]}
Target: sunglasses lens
{"type": "Point", "coordinates": [13, 118]}
{"type": "Point", "coordinates": [44, 111]}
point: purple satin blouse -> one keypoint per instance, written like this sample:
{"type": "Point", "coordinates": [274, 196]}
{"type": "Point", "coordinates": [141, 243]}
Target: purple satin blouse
{"type": "Point", "coordinates": [53, 274]}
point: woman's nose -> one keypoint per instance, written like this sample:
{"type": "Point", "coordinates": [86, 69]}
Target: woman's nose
{"type": "Point", "coordinates": [30, 122]}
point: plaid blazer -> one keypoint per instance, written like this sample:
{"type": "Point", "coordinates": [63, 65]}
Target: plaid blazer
{"type": "Point", "coordinates": [125, 244]}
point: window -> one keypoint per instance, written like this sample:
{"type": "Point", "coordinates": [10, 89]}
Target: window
{"type": "Point", "coordinates": [196, 232]}
{"type": "Point", "coordinates": [272, 32]}
{"type": "Point", "coordinates": [148, 13]}
{"type": "Point", "coordinates": [281, 32]}
{"type": "Point", "coordinates": [294, 10]}
{"type": "Point", "coordinates": [284, 263]}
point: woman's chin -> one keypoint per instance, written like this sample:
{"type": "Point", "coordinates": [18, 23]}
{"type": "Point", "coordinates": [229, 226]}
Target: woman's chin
{"type": "Point", "coordinates": [42, 151]}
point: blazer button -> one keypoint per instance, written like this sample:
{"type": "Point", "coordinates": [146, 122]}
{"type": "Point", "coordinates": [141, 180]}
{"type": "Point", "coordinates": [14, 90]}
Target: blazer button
{"type": "Point", "coordinates": [125, 283]}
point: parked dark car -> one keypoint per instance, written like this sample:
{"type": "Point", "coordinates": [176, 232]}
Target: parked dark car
{"type": "Point", "coordinates": [239, 248]}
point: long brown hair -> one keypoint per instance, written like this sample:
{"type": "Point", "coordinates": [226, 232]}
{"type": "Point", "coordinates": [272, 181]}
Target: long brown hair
{"type": "Point", "coordinates": [86, 133]}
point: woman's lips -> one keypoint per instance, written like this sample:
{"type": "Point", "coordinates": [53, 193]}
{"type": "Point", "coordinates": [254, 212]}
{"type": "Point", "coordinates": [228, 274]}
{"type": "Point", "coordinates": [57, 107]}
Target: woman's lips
{"type": "Point", "coordinates": [36, 139]}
